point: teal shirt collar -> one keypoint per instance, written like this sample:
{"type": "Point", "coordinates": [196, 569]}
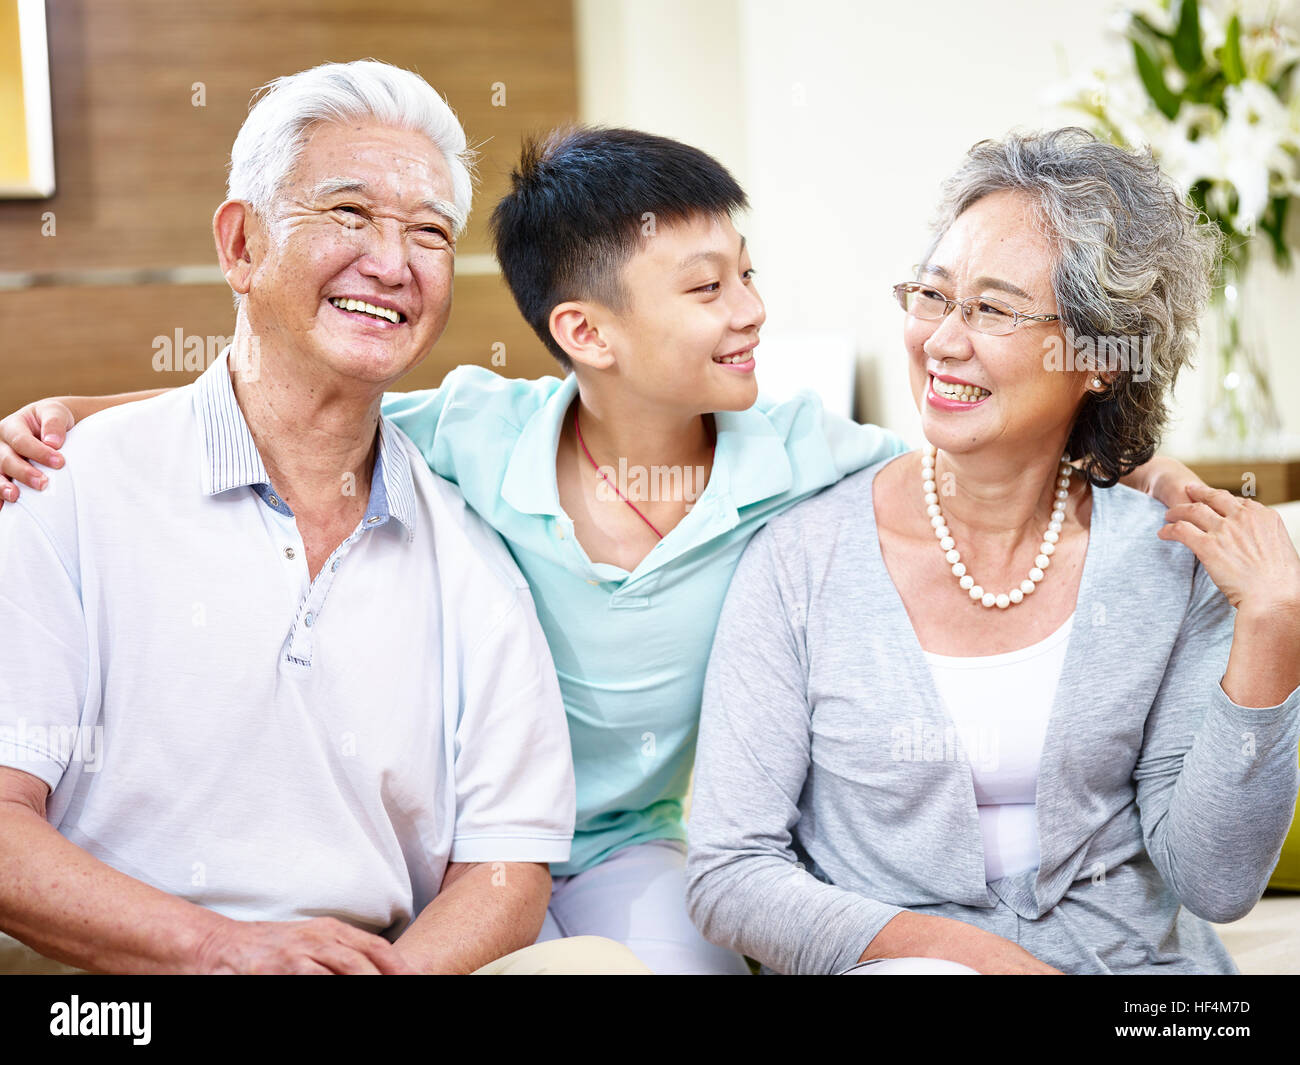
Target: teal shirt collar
{"type": "Point", "coordinates": [751, 462]}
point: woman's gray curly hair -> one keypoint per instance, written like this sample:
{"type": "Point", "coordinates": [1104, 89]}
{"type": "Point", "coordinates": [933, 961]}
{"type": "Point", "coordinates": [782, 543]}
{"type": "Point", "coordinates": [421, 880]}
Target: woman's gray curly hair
{"type": "Point", "coordinates": [1133, 260]}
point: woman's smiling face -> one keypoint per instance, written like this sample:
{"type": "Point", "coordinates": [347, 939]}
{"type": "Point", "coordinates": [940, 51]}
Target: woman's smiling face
{"type": "Point", "coordinates": [1017, 396]}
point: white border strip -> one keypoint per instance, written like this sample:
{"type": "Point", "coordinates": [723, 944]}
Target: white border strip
{"type": "Point", "coordinates": [33, 47]}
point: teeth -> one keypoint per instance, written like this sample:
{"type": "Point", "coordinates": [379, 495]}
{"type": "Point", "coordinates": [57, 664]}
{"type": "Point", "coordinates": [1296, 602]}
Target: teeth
{"type": "Point", "coordinates": [742, 357]}
{"type": "Point", "coordinates": [367, 308]}
{"type": "Point", "coordinates": [962, 393]}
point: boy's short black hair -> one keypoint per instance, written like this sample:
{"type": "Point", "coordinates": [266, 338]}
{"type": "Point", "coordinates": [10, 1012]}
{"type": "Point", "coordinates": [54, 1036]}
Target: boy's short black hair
{"type": "Point", "coordinates": [580, 202]}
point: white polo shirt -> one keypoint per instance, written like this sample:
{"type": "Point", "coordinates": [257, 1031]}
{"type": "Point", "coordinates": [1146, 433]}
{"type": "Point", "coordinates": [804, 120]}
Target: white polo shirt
{"type": "Point", "coordinates": [216, 724]}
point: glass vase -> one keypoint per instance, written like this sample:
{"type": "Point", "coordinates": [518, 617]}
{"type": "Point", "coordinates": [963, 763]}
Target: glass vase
{"type": "Point", "coordinates": [1241, 420]}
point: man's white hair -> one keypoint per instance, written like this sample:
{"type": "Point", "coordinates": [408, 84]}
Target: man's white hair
{"type": "Point", "coordinates": [272, 138]}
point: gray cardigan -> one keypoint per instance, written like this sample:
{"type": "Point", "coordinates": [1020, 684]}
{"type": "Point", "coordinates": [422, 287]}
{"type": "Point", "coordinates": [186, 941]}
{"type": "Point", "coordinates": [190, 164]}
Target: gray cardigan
{"type": "Point", "coordinates": [829, 796]}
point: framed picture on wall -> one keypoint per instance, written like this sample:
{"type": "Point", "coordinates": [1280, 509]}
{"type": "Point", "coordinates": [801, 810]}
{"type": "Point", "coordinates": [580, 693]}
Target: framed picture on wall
{"type": "Point", "coordinates": [26, 127]}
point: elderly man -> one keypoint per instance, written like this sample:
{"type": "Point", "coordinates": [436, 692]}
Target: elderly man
{"type": "Point", "coordinates": [283, 704]}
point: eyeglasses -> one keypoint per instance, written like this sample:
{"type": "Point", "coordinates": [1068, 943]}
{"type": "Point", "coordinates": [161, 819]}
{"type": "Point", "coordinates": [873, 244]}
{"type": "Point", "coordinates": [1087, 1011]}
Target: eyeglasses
{"type": "Point", "coordinates": [981, 313]}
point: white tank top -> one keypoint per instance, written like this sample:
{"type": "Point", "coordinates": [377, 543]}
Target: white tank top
{"type": "Point", "coordinates": [999, 705]}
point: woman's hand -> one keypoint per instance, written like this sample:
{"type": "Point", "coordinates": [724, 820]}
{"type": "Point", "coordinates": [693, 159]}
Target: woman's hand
{"type": "Point", "coordinates": [34, 432]}
{"type": "Point", "coordinates": [1243, 545]}
{"type": "Point", "coordinates": [1246, 550]}
{"type": "Point", "coordinates": [921, 935]}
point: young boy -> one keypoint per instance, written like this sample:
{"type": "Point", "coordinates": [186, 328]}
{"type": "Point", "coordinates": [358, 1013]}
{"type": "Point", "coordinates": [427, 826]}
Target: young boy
{"type": "Point", "coordinates": [626, 491]}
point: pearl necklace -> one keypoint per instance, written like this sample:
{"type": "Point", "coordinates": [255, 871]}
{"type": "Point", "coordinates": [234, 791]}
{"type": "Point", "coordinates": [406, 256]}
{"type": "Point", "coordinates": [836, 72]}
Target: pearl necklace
{"type": "Point", "coordinates": [946, 543]}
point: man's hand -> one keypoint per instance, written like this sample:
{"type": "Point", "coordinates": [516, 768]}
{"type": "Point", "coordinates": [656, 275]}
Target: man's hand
{"type": "Point", "coordinates": [319, 946]}
{"type": "Point", "coordinates": [916, 935]}
{"type": "Point", "coordinates": [35, 433]}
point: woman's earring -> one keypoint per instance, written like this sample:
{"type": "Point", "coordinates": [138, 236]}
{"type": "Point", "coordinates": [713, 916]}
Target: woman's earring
{"type": "Point", "coordinates": [1096, 384]}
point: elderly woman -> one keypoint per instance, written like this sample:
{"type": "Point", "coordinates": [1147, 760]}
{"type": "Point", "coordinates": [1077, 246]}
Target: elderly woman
{"type": "Point", "coordinates": [977, 707]}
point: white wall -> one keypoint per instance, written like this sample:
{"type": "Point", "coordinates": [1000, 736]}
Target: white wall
{"type": "Point", "coordinates": [815, 105]}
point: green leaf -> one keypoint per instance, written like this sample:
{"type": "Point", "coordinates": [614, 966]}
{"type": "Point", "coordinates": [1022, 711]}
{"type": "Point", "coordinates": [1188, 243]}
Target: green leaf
{"type": "Point", "coordinates": [1206, 88]}
{"type": "Point", "coordinates": [1280, 83]}
{"type": "Point", "coordinates": [1187, 38]}
{"type": "Point", "coordinates": [1234, 69]}
{"type": "Point", "coordinates": [1274, 224]}
{"type": "Point", "coordinates": [1154, 82]}
{"type": "Point", "coordinates": [1141, 20]}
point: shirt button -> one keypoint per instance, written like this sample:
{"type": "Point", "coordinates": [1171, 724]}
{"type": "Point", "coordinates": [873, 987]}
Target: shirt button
{"type": "Point", "coordinates": [371, 521]}
{"type": "Point", "coordinates": [273, 501]}
{"type": "Point", "coordinates": [308, 620]}
{"type": "Point", "coordinates": [289, 552]}
{"type": "Point", "coordinates": [592, 580]}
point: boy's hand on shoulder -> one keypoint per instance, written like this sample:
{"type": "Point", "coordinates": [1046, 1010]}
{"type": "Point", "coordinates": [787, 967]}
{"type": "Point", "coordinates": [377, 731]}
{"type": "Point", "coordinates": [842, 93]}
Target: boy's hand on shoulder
{"type": "Point", "coordinates": [33, 433]}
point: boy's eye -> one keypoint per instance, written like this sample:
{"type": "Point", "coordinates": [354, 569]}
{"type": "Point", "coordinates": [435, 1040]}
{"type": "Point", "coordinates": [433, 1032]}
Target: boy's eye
{"type": "Point", "coordinates": [712, 286]}
{"type": "Point", "coordinates": [749, 274]}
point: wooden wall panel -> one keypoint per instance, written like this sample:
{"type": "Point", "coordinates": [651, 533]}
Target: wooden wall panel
{"type": "Point", "coordinates": [105, 342]}
{"type": "Point", "coordinates": [140, 170]}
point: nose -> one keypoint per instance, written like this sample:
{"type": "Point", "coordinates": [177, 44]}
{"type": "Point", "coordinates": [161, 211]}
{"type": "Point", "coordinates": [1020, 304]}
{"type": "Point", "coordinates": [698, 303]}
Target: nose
{"type": "Point", "coordinates": [950, 338]}
{"type": "Point", "coordinates": [748, 311]}
{"type": "Point", "coordinates": [385, 257]}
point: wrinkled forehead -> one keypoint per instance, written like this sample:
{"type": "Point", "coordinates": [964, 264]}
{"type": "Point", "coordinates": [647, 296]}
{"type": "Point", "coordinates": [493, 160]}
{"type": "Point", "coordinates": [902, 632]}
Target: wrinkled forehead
{"type": "Point", "coordinates": [396, 168]}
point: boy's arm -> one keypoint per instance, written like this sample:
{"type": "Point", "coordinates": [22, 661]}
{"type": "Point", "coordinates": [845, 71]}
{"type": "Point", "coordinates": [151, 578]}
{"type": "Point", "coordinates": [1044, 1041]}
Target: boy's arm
{"type": "Point", "coordinates": [1163, 478]}
{"type": "Point", "coordinates": [35, 433]}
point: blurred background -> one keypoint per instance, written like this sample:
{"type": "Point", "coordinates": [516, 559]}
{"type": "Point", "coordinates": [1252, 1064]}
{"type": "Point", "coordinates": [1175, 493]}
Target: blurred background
{"type": "Point", "coordinates": [840, 118]}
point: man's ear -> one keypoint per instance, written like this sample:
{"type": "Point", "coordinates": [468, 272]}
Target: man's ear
{"type": "Point", "coordinates": [231, 227]}
{"type": "Point", "coordinates": [576, 327]}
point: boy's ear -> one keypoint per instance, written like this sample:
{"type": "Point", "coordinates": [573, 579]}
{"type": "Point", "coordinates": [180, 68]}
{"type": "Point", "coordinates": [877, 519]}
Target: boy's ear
{"type": "Point", "coordinates": [231, 229]}
{"type": "Point", "coordinates": [573, 326]}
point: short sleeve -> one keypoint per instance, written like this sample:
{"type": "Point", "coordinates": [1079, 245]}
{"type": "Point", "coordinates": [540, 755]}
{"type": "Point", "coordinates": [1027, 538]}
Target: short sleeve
{"type": "Point", "coordinates": [45, 673]}
{"type": "Point", "coordinates": [854, 446]}
{"type": "Point", "coordinates": [515, 798]}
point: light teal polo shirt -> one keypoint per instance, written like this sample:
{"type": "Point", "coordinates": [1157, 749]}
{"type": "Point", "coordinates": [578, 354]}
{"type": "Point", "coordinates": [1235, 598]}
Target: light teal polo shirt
{"type": "Point", "coordinates": [630, 648]}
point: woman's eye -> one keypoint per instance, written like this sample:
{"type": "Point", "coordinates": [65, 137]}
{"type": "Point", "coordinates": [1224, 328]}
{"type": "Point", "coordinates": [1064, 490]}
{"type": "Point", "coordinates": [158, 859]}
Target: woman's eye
{"type": "Point", "coordinates": [989, 308]}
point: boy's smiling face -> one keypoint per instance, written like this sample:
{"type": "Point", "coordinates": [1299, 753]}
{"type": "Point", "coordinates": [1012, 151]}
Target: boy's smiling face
{"type": "Point", "coordinates": [685, 336]}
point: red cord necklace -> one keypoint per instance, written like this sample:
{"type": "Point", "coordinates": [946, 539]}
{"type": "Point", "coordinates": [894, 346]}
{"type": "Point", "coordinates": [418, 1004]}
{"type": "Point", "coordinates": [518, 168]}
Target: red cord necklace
{"type": "Point", "coordinates": [578, 429]}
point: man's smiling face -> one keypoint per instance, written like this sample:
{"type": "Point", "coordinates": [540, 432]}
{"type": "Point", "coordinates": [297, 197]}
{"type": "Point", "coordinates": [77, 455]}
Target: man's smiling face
{"type": "Point", "coordinates": [366, 217]}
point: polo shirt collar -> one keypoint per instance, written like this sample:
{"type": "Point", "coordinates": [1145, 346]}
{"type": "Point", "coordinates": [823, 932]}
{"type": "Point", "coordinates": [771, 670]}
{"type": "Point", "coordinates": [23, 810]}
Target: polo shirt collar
{"type": "Point", "coordinates": [750, 462]}
{"type": "Point", "coordinates": [231, 459]}
{"type": "Point", "coordinates": [529, 484]}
